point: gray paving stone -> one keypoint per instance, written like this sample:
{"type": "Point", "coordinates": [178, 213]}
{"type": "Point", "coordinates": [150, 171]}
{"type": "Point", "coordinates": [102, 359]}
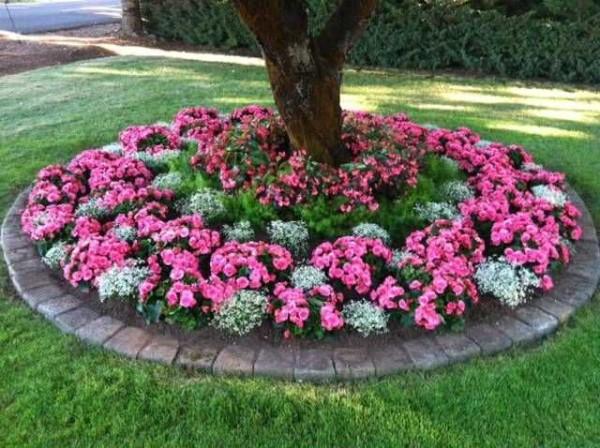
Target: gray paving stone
{"type": "Point", "coordinates": [562, 311]}
{"type": "Point", "coordinates": [25, 281]}
{"type": "Point", "coordinates": [99, 330]}
{"type": "Point", "coordinates": [70, 321]}
{"type": "Point", "coordinates": [275, 362]}
{"type": "Point", "coordinates": [200, 356]}
{"type": "Point", "coordinates": [12, 241]}
{"type": "Point", "coordinates": [457, 347]}
{"type": "Point", "coordinates": [353, 363]}
{"type": "Point", "coordinates": [314, 365]}
{"type": "Point", "coordinates": [30, 265]}
{"type": "Point", "coordinates": [53, 307]}
{"type": "Point", "coordinates": [517, 331]}
{"type": "Point", "coordinates": [19, 255]}
{"type": "Point", "coordinates": [425, 353]}
{"type": "Point", "coordinates": [489, 339]}
{"type": "Point", "coordinates": [161, 349]}
{"type": "Point", "coordinates": [390, 359]}
{"type": "Point", "coordinates": [235, 360]}
{"type": "Point", "coordinates": [573, 290]}
{"type": "Point", "coordinates": [34, 297]}
{"type": "Point", "coordinates": [542, 322]}
{"type": "Point", "coordinates": [128, 341]}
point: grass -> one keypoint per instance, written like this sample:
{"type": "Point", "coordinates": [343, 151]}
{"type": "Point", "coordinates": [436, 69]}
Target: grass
{"type": "Point", "coordinates": [54, 391]}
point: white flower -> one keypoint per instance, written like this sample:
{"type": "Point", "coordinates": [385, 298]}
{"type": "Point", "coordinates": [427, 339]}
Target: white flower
{"type": "Point", "coordinates": [290, 234]}
{"type": "Point", "coordinates": [114, 148]}
{"type": "Point", "coordinates": [241, 232]}
{"type": "Point", "coordinates": [168, 181]}
{"type": "Point", "coordinates": [530, 166]}
{"type": "Point", "coordinates": [509, 283]}
{"type": "Point", "coordinates": [126, 233]}
{"type": "Point", "coordinates": [242, 313]}
{"type": "Point", "coordinates": [157, 161]}
{"type": "Point", "coordinates": [451, 163]}
{"type": "Point", "coordinates": [308, 277]}
{"type": "Point", "coordinates": [365, 317]}
{"type": "Point", "coordinates": [92, 209]}
{"type": "Point", "coordinates": [456, 191]}
{"type": "Point", "coordinates": [483, 144]}
{"type": "Point", "coordinates": [56, 255]}
{"type": "Point", "coordinates": [369, 230]}
{"type": "Point", "coordinates": [551, 194]}
{"type": "Point", "coordinates": [121, 282]}
{"type": "Point", "coordinates": [431, 211]}
{"type": "Point", "coordinates": [208, 203]}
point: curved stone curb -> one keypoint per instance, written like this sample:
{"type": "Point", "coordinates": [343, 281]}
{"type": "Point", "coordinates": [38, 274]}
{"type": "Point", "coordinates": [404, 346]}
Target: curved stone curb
{"type": "Point", "coordinates": [530, 323]}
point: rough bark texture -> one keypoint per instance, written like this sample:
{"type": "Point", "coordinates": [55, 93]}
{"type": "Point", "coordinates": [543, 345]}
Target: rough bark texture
{"type": "Point", "coordinates": [306, 72]}
{"type": "Point", "coordinates": [131, 21]}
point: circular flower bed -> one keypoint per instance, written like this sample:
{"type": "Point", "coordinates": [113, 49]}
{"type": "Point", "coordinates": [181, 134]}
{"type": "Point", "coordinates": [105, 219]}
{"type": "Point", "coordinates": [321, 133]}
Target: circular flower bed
{"type": "Point", "coordinates": [215, 220]}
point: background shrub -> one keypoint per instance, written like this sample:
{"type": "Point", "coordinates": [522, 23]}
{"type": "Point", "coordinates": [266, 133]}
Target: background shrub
{"type": "Point", "coordinates": [558, 40]}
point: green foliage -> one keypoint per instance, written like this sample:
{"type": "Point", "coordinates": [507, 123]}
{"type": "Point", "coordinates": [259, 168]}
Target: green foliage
{"type": "Point", "coordinates": [545, 42]}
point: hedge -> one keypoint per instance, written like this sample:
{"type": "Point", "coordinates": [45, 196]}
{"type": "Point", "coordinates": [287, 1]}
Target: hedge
{"type": "Point", "coordinates": [405, 34]}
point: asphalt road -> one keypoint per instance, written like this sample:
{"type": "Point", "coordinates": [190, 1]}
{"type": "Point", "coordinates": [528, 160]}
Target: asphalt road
{"type": "Point", "coordinates": [57, 15]}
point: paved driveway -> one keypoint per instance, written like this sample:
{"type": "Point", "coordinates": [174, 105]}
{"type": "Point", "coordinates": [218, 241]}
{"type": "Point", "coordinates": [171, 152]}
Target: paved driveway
{"type": "Point", "coordinates": [57, 15]}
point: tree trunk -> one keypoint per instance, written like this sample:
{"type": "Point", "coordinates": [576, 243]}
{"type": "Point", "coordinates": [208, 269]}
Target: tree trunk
{"type": "Point", "coordinates": [131, 20]}
{"type": "Point", "coordinates": [309, 103]}
{"type": "Point", "coordinates": [305, 71]}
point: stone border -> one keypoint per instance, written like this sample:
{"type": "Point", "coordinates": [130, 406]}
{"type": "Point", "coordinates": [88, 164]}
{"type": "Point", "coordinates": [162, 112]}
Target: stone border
{"type": "Point", "coordinates": [530, 323]}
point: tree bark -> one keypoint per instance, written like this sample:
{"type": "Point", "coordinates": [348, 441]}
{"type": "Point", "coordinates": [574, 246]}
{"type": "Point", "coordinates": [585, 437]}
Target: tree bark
{"type": "Point", "coordinates": [306, 72]}
{"type": "Point", "coordinates": [131, 19]}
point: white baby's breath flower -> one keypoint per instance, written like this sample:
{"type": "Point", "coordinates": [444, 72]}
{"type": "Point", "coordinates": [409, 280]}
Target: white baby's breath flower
{"type": "Point", "coordinates": [92, 209]}
{"type": "Point", "coordinates": [114, 148]}
{"type": "Point", "coordinates": [369, 230]}
{"type": "Point", "coordinates": [157, 161]}
{"type": "Point", "coordinates": [431, 211]}
{"type": "Point", "coordinates": [241, 232]}
{"type": "Point", "coordinates": [56, 255]}
{"type": "Point", "coordinates": [121, 282]}
{"type": "Point", "coordinates": [241, 313]}
{"type": "Point", "coordinates": [308, 277]}
{"type": "Point", "coordinates": [126, 233]}
{"type": "Point", "coordinates": [365, 317]}
{"type": "Point", "coordinates": [551, 194]}
{"type": "Point", "coordinates": [168, 181]}
{"type": "Point", "coordinates": [398, 256]}
{"type": "Point", "coordinates": [292, 235]}
{"type": "Point", "coordinates": [456, 191]}
{"type": "Point", "coordinates": [208, 203]}
{"type": "Point", "coordinates": [508, 283]}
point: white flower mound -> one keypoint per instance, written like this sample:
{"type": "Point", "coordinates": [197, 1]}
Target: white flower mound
{"type": "Point", "coordinates": [157, 161]}
{"type": "Point", "coordinates": [91, 209]}
{"type": "Point", "coordinates": [366, 318]}
{"type": "Point", "coordinates": [292, 235]}
{"type": "Point", "coordinates": [208, 203]}
{"type": "Point", "coordinates": [457, 191]}
{"type": "Point", "coordinates": [168, 181]}
{"type": "Point", "coordinates": [432, 211]}
{"type": "Point", "coordinates": [242, 313]}
{"type": "Point", "coordinates": [121, 282]}
{"type": "Point", "coordinates": [308, 277]}
{"type": "Point", "coordinates": [510, 284]}
{"type": "Point", "coordinates": [126, 233]}
{"type": "Point", "coordinates": [369, 230]}
{"type": "Point", "coordinates": [553, 195]}
{"type": "Point", "coordinates": [241, 232]}
{"type": "Point", "coordinates": [56, 255]}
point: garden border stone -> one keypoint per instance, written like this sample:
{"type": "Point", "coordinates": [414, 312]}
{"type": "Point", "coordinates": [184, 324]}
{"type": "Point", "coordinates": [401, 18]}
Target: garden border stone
{"type": "Point", "coordinates": [528, 324]}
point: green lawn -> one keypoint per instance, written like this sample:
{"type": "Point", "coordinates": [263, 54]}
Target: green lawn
{"type": "Point", "coordinates": [54, 391]}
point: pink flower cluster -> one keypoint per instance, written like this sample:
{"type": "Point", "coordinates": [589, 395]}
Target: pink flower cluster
{"type": "Point", "coordinates": [198, 123]}
{"type": "Point", "coordinates": [353, 261]}
{"type": "Point", "coordinates": [252, 150]}
{"type": "Point", "coordinates": [528, 230]}
{"type": "Point", "coordinates": [154, 139]}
